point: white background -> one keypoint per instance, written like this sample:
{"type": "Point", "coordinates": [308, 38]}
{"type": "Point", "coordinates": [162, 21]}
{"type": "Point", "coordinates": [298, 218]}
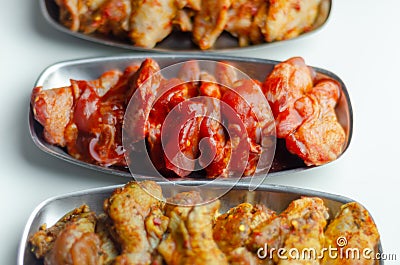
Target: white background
{"type": "Point", "coordinates": [360, 43]}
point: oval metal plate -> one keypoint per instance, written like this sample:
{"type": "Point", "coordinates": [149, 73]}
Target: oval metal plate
{"type": "Point", "coordinates": [176, 41]}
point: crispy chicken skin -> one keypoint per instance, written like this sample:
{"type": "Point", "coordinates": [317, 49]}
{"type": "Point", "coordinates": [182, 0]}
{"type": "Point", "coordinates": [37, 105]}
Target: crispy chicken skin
{"type": "Point", "coordinates": [300, 226]}
{"type": "Point", "coordinates": [304, 110]}
{"type": "Point", "coordinates": [71, 241]}
{"type": "Point", "coordinates": [355, 224]}
{"type": "Point", "coordinates": [288, 18]}
{"type": "Point", "coordinates": [190, 236]}
{"type": "Point", "coordinates": [210, 21]}
{"type": "Point", "coordinates": [232, 229]}
{"type": "Point", "coordinates": [137, 221]}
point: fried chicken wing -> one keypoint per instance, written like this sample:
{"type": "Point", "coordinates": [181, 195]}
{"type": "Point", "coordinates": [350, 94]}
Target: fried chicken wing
{"type": "Point", "coordinates": [300, 226]}
{"type": "Point", "coordinates": [288, 18]}
{"type": "Point", "coordinates": [209, 22]}
{"type": "Point", "coordinates": [151, 21]}
{"type": "Point", "coordinates": [190, 235]}
{"type": "Point", "coordinates": [137, 221]}
{"type": "Point", "coordinates": [352, 228]}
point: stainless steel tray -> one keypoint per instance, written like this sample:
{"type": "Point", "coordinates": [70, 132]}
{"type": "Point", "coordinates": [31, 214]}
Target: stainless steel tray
{"type": "Point", "coordinates": [273, 196]}
{"type": "Point", "coordinates": [59, 75]}
{"type": "Point", "coordinates": [177, 41]}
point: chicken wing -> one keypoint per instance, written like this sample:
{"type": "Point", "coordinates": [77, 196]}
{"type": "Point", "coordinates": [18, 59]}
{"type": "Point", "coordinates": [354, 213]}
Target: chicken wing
{"type": "Point", "coordinates": [305, 112]}
{"type": "Point", "coordinates": [233, 228]}
{"type": "Point", "coordinates": [300, 226]}
{"type": "Point", "coordinates": [210, 21]}
{"type": "Point", "coordinates": [112, 17]}
{"type": "Point", "coordinates": [190, 237]}
{"type": "Point", "coordinates": [71, 241]}
{"type": "Point", "coordinates": [151, 21]}
{"type": "Point", "coordinates": [137, 221]}
{"type": "Point", "coordinates": [288, 18]}
{"type": "Point", "coordinates": [288, 82]}
{"type": "Point", "coordinates": [241, 17]}
{"type": "Point", "coordinates": [108, 246]}
{"type": "Point", "coordinates": [320, 138]}
{"type": "Point", "coordinates": [143, 88]}
{"type": "Point", "coordinates": [52, 109]}
{"type": "Point", "coordinates": [253, 115]}
{"type": "Point", "coordinates": [355, 227]}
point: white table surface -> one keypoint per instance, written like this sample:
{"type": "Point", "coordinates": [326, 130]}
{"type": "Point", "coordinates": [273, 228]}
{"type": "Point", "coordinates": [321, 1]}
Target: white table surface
{"type": "Point", "coordinates": [360, 43]}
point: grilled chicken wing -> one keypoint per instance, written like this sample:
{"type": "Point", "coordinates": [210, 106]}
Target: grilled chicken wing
{"type": "Point", "coordinates": [137, 221]}
{"type": "Point", "coordinates": [300, 226]}
{"type": "Point", "coordinates": [210, 21]}
{"type": "Point", "coordinates": [190, 239]}
{"type": "Point", "coordinates": [355, 227]}
{"type": "Point", "coordinates": [288, 18]}
{"type": "Point", "coordinates": [71, 241]}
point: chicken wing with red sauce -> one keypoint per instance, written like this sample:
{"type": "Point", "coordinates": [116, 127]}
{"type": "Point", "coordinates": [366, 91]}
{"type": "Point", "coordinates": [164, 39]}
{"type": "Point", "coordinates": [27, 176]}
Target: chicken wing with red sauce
{"type": "Point", "coordinates": [176, 93]}
{"type": "Point", "coordinates": [304, 110]}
